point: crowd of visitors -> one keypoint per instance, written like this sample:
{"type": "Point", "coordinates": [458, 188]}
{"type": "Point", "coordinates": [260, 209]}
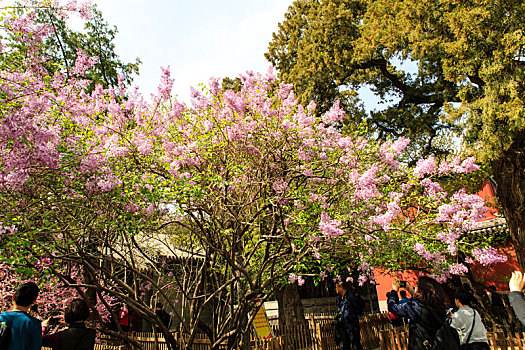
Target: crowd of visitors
{"type": "Point", "coordinates": [430, 322]}
{"type": "Point", "coordinates": [22, 329]}
{"type": "Point", "coordinates": [434, 322]}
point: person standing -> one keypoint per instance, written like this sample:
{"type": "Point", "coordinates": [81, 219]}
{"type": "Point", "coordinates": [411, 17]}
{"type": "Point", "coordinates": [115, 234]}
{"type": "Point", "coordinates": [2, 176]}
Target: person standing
{"type": "Point", "coordinates": [516, 299]}
{"type": "Point", "coordinates": [403, 295]}
{"type": "Point", "coordinates": [76, 336]}
{"type": "Point", "coordinates": [163, 315]}
{"type": "Point", "coordinates": [498, 308]}
{"type": "Point", "coordinates": [467, 321]}
{"type": "Point", "coordinates": [349, 307]}
{"type": "Point", "coordinates": [123, 318]}
{"type": "Point", "coordinates": [427, 313]}
{"type": "Point", "coordinates": [26, 330]}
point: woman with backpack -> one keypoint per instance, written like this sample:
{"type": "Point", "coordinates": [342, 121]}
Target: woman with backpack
{"type": "Point", "coordinates": [76, 336]}
{"type": "Point", "coordinates": [428, 326]}
{"type": "Point", "coordinates": [467, 321]}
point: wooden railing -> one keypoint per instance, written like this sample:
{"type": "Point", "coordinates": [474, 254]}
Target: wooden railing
{"type": "Point", "coordinates": [397, 339]}
{"type": "Point", "coordinates": [317, 335]}
{"type": "Point", "coordinates": [201, 342]}
{"type": "Point", "coordinates": [99, 347]}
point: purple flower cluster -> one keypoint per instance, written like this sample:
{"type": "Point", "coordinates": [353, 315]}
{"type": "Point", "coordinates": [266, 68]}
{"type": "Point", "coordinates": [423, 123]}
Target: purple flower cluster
{"type": "Point", "coordinates": [488, 256]}
{"type": "Point", "coordinates": [330, 227]}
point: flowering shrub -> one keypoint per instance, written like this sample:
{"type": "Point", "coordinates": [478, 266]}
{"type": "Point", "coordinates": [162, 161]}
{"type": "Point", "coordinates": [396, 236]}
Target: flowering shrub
{"type": "Point", "coordinates": [249, 183]}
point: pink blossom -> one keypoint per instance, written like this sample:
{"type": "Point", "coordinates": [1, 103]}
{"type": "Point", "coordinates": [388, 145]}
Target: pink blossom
{"type": "Point", "coordinates": [335, 114]}
{"type": "Point", "coordinates": [433, 189]}
{"type": "Point", "coordinates": [393, 210]}
{"type": "Point", "coordinates": [83, 62]}
{"type": "Point", "coordinates": [421, 250]}
{"type": "Point", "coordinates": [330, 227]}
{"type": "Point", "coordinates": [286, 124]}
{"type": "Point", "coordinates": [390, 150]}
{"type": "Point", "coordinates": [300, 281]}
{"type": "Point", "coordinates": [166, 84]}
{"type": "Point", "coordinates": [424, 167]}
{"type": "Point", "coordinates": [280, 186]}
{"type": "Point", "coordinates": [362, 280]}
{"type": "Point", "coordinates": [311, 107]}
{"type": "Point", "coordinates": [457, 269]}
{"type": "Point", "coordinates": [466, 166]}
{"type": "Point", "coordinates": [444, 168]}
{"type": "Point", "coordinates": [150, 209]}
{"type": "Point", "coordinates": [488, 256]}
{"type": "Point", "coordinates": [7, 229]}
{"type": "Point", "coordinates": [131, 207]}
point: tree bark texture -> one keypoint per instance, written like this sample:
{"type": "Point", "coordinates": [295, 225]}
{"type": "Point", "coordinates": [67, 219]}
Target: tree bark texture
{"type": "Point", "coordinates": [291, 310]}
{"type": "Point", "coordinates": [509, 174]}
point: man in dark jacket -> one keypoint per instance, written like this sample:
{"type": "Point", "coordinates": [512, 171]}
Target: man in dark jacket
{"type": "Point", "coordinates": [76, 336]}
{"type": "Point", "coordinates": [516, 299]}
{"type": "Point", "coordinates": [350, 308]}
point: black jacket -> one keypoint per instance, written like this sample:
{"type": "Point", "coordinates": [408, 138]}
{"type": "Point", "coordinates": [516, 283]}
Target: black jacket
{"type": "Point", "coordinates": [76, 337]}
{"type": "Point", "coordinates": [350, 307]}
{"type": "Point", "coordinates": [424, 323]}
{"type": "Point", "coordinates": [517, 302]}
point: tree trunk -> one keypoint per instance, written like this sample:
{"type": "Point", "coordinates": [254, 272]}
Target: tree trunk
{"type": "Point", "coordinates": [509, 174]}
{"type": "Point", "coordinates": [291, 310]}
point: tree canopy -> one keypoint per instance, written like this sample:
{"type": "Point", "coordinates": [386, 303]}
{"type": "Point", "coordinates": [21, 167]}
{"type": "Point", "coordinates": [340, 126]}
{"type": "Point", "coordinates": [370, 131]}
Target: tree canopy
{"type": "Point", "coordinates": [469, 78]}
{"type": "Point", "coordinates": [241, 187]}
{"type": "Point", "coordinates": [63, 45]}
{"type": "Point", "coordinates": [466, 52]}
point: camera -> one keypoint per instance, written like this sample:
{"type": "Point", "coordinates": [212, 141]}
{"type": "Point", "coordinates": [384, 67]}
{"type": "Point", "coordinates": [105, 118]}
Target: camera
{"type": "Point", "coordinates": [402, 284]}
{"type": "Point", "coordinates": [54, 321]}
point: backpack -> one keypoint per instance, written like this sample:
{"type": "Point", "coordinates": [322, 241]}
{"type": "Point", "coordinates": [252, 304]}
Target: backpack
{"type": "Point", "coordinates": [445, 338]}
{"type": "Point", "coordinates": [338, 329]}
{"type": "Point", "coordinates": [359, 306]}
{"type": "Point", "coordinates": [391, 317]}
{"type": "Point", "coordinates": [5, 336]}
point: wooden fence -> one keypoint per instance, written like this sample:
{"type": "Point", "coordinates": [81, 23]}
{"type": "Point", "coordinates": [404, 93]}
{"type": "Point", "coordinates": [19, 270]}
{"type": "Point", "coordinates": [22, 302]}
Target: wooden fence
{"type": "Point", "coordinates": [99, 347]}
{"type": "Point", "coordinates": [397, 339]}
{"type": "Point", "coordinates": [317, 335]}
{"type": "Point", "coordinates": [201, 342]}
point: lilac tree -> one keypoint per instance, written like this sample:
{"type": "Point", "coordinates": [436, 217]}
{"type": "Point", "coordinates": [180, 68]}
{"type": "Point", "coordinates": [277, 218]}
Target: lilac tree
{"type": "Point", "coordinates": [243, 187]}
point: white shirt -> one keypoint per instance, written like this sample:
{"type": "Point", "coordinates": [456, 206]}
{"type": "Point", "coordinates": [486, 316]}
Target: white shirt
{"type": "Point", "coordinates": [462, 322]}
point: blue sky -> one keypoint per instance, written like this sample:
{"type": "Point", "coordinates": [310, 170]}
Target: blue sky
{"type": "Point", "coordinates": [197, 39]}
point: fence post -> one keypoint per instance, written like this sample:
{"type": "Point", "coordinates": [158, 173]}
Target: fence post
{"type": "Point", "coordinates": [518, 341]}
{"type": "Point", "coordinates": [319, 337]}
{"type": "Point", "coordinates": [384, 340]}
{"type": "Point", "coordinates": [493, 340]}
